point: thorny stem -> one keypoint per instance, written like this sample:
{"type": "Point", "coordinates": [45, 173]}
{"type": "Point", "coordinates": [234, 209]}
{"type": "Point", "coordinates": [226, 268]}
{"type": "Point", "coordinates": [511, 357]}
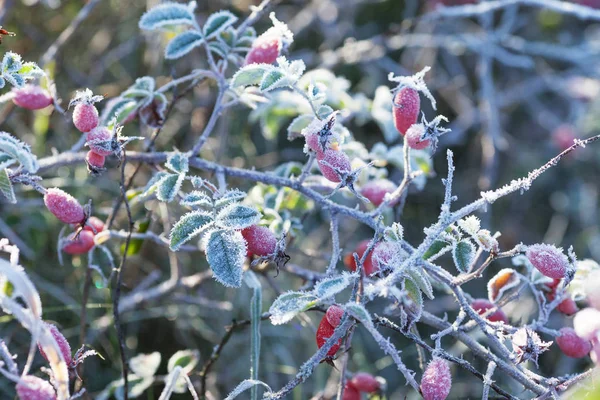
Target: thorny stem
{"type": "Point", "coordinates": [119, 282]}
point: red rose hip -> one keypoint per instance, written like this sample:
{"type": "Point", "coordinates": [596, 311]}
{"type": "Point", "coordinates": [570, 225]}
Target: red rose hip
{"type": "Point", "coordinates": [436, 381]}
{"type": "Point", "coordinates": [573, 345]}
{"type": "Point", "coordinates": [32, 97]}
{"type": "Point", "coordinates": [407, 105]}
{"type": "Point", "coordinates": [260, 240]}
{"type": "Point", "coordinates": [80, 244]}
{"type": "Point", "coordinates": [64, 206]}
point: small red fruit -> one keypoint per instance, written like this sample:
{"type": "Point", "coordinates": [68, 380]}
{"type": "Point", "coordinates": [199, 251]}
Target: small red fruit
{"type": "Point", "coordinates": [548, 259]}
{"type": "Point", "coordinates": [260, 240]}
{"type": "Point", "coordinates": [365, 382]}
{"type": "Point", "coordinates": [376, 190]}
{"type": "Point", "coordinates": [407, 105]}
{"type": "Point", "coordinates": [326, 329]}
{"type": "Point", "coordinates": [335, 159]}
{"type": "Point", "coordinates": [94, 159]}
{"type": "Point", "coordinates": [265, 49]}
{"type": "Point", "coordinates": [383, 254]}
{"type": "Point", "coordinates": [360, 250]}
{"type": "Point", "coordinates": [568, 306]}
{"type": "Point", "coordinates": [350, 392]}
{"type": "Point", "coordinates": [64, 206]}
{"type": "Point", "coordinates": [436, 381]}
{"type": "Point", "coordinates": [33, 388]}
{"type": "Point", "coordinates": [413, 137]}
{"type": "Point", "coordinates": [62, 342]}
{"type": "Point", "coordinates": [94, 225]}
{"type": "Point", "coordinates": [80, 245]}
{"type": "Point", "coordinates": [32, 97]}
{"type": "Point", "coordinates": [482, 305]}
{"type": "Point", "coordinates": [100, 133]}
{"type": "Point", "coordinates": [573, 345]}
{"type": "Point", "coordinates": [334, 315]}
{"type": "Point", "coordinates": [85, 117]}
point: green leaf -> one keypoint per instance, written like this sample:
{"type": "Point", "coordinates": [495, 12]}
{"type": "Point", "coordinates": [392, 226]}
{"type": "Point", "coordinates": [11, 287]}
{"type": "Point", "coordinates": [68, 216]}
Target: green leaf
{"type": "Point", "coordinates": [145, 365]}
{"type": "Point", "coordinates": [6, 188]}
{"type": "Point", "coordinates": [186, 359]}
{"type": "Point", "coordinates": [250, 75]}
{"type": "Point", "coordinates": [435, 248]}
{"type": "Point", "coordinates": [413, 301]}
{"type": "Point", "coordinates": [189, 225]}
{"type": "Point", "coordinates": [359, 312]}
{"type": "Point", "coordinates": [196, 198]}
{"type": "Point", "coordinates": [178, 162]}
{"type": "Point", "coordinates": [145, 84]}
{"type": "Point", "coordinates": [299, 123]}
{"type": "Point", "coordinates": [463, 254]}
{"type": "Point", "coordinates": [226, 254]}
{"type": "Point", "coordinates": [290, 304]}
{"type": "Point", "coordinates": [229, 197]}
{"type": "Point", "coordinates": [135, 245]}
{"type": "Point", "coordinates": [183, 44]}
{"type": "Point", "coordinates": [422, 281]}
{"type": "Point", "coordinates": [329, 287]}
{"type": "Point", "coordinates": [237, 216]}
{"type": "Point", "coordinates": [271, 80]}
{"type": "Point", "coordinates": [169, 186]}
{"type": "Point", "coordinates": [218, 22]}
{"type": "Point", "coordinates": [324, 111]}
{"type": "Point", "coordinates": [11, 62]}
{"type": "Point", "coordinates": [119, 109]}
{"type": "Point", "coordinates": [19, 151]}
{"type": "Point", "coordinates": [167, 14]}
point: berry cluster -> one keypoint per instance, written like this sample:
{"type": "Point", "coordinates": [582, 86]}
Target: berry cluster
{"type": "Point", "coordinates": [86, 120]}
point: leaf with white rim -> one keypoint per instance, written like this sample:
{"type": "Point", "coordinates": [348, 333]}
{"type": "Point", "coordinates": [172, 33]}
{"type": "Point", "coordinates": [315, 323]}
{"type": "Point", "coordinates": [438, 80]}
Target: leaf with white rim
{"type": "Point", "coordinates": [226, 254]}
{"type": "Point", "coordinates": [189, 226]}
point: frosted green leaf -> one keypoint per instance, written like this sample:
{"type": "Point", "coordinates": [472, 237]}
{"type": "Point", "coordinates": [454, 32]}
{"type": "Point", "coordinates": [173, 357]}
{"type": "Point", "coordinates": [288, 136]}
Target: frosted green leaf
{"type": "Point", "coordinates": [196, 198]}
{"type": "Point", "coordinates": [329, 287]}
{"type": "Point", "coordinates": [11, 62]}
{"type": "Point", "coordinates": [435, 248]}
{"type": "Point", "coordinates": [237, 216]}
{"type": "Point", "coordinates": [6, 188]}
{"type": "Point", "coordinates": [143, 84]}
{"type": "Point", "coordinates": [186, 359]}
{"type": "Point", "coordinates": [470, 225]}
{"type": "Point", "coordinates": [421, 280]}
{"type": "Point", "coordinates": [271, 80]}
{"type": "Point", "coordinates": [250, 75]}
{"type": "Point", "coordinates": [166, 14]}
{"type": "Point", "coordinates": [299, 123]}
{"type": "Point", "coordinates": [19, 151]}
{"type": "Point", "coordinates": [226, 254]}
{"type": "Point", "coordinates": [169, 186]}
{"type": "Point", "coordinates": [324, 111]}
{"type": "Point", "coordinates": [463, 254]}
{"type": "Point", "coordinates": [145, 365]}
{"type": "Point", "coordinates": [359, 312]}
{"type": "Point", "coordinates": [189, 226]}
{"type": "Point", "coordinates": [245, 385]}
{"type": "Point", "coordinates": [229, 197]}
{"type": "Point", "coordinates": [178, 162]}
{"type": "Point", "coordinates": [413, 300]}
{"type": "Point", "coordinates": [290, 304]}
{"type": "Point", "coordinates": [183, 44]}
{"type": "Point", "coordinates": [218, 22]}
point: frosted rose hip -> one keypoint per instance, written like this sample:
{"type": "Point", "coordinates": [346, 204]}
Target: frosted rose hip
{"type": "Point", "coordinates": [260, 240]}
{"type": "Point", "coordinates": [548, 259]}
{"type": "Point", "coordinates": [32, 97]}
{"type": "Point", "coordinates": [94, 225]}
{"type": "Point", "coordinates": [413, 137]}
{"type": "Point", "coordinates": [365, 382]}
{"type": "Point", "coordinates": [326, 329]}
{"type": "Point", "coordinates": [573, 345]}
{"type": "Point", "coordinates": [265, 49]}
{"type": "Point", "coordinates": [567, 306]}
{"type": "Point", "coordinates": [334, 314]}
{"type": "Point", "coordinates": [376, 190]}
{"type": "Point", "coordinates": [482, 305]}
{"type": "Point", "coordinates": [85, 117]}
{"type": "Point", "coordinates": [407, 105]}
{"type": "Point", "coordinates": [80, 245]}
{"type": "Point", "coordinates": [64, 206]}
{"type": "Point", "coordinates": [360, 250]}
{"type": "Point", "coordinates": [436, 381]}
{"type": "Point", "coordinates": [63, 345]}
{"type": "Point", "coordinates": [100, 133]}
{"type": "Point", "coordinates": [384, 253]}
{"type": "Point", "coordinates": [33, 388]}
{"type": "Point", "coordinates": [94, 159]}
{"type": "Point", "coordinates": [337, 159]}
